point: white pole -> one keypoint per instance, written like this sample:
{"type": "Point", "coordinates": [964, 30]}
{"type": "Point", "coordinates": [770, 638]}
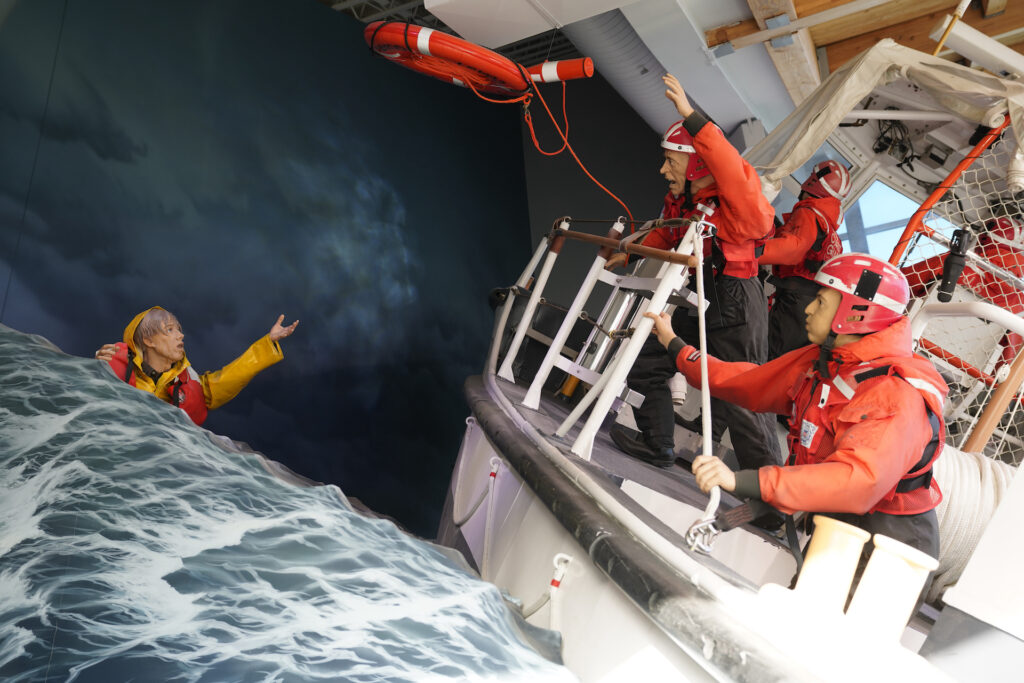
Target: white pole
{"type": "Point", "coordinates": [532, 398]}
{"type": "Point", "coordinates": [505, 372]}
{"type": "Point", "coordinates": [510, 300]}
{"type": "Point", "coordinates": [616, 373]}
{"type": "Point", "coordinates": [705, 394]}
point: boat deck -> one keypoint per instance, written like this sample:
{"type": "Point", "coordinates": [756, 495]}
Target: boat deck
{"type": "Point", "coordinates": [611, 467]}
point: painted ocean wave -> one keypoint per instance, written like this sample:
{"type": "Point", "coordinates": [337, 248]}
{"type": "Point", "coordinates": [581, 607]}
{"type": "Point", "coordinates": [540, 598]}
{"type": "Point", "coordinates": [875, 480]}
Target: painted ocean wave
{"type": "Point", "coordinates": [134, 547]}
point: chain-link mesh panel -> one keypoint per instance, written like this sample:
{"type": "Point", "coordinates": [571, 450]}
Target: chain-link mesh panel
{"type": "Point", "coordinates": [973, 355]}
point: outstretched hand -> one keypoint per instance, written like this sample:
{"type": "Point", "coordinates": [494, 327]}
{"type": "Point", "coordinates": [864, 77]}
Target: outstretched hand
{"type": "Point", "coordinates": [662, 327]}
{"type": "Point", "coordinates": [677, 95]}
{"type": "Point", "coordinates": [711, 472]}
{"type": "Point", "coordinates": [278, 331]}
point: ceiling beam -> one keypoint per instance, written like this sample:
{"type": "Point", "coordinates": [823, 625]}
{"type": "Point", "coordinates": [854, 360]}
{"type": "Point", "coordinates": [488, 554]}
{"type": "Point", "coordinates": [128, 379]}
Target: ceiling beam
{"type": "Point", "coordinates": [914, 33]}
{"type": "Point", "coordinates": [805, 22]}
{"type": "Point", "coordinates": [877, 19]}
{"type": "Point", "coordinates": [795, 59]}
{"type": "Point", "coordinates": [852, 24]}
{"type": "Point", "coordinates": [743, 34]}
{"type": "Point", "coordinates": [992, 7]}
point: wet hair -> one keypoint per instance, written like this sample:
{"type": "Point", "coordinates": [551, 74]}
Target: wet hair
{"type": "Point", "coordinates": [153, 323]}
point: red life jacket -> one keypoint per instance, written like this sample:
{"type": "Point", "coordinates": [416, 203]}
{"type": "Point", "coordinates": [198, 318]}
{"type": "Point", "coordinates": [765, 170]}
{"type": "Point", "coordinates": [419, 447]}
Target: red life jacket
{"type": "Point", "coordinates": [185, 391]}
{"type": "Point", "coordinates": [728, 258]}
{"type": "Point", "coordinates": [811, 440]}
{"type": "Point", "coordinates": [826, 245]}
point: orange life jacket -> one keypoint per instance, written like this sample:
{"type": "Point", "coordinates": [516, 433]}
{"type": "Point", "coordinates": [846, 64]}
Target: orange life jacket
{"type": "Point", "coordinates": [827, 243]}
{"type": "Point", "coordinates": [816, 401]}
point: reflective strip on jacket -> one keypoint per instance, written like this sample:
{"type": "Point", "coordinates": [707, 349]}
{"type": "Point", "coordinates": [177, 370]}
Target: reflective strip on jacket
{"type": "Point", "coordinates": [857, 448]}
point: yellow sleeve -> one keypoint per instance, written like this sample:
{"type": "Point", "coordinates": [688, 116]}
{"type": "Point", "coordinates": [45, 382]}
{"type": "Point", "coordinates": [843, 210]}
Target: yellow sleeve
{"type": "Point", "coordinates": [223, 385]}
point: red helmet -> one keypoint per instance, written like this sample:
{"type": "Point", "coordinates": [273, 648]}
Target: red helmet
{"type": "Point", "coordinates": [873, 289]}
{"type": "Point", "coordinates": [678, 139]}
{"type": "Point", "coordinates": [829, 178]}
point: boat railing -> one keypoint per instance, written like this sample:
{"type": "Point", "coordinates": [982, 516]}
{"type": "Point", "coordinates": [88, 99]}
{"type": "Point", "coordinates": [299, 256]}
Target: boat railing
{"type": "Point", "coordinates": [631, 295]}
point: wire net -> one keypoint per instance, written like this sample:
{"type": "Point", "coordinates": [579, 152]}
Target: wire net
{"type": "Point", "coordinates": [974, 355]}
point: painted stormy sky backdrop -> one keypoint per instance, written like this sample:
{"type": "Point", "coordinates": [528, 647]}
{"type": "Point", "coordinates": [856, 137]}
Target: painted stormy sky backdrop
{"type": "Point", "coordinates": [233, 160]}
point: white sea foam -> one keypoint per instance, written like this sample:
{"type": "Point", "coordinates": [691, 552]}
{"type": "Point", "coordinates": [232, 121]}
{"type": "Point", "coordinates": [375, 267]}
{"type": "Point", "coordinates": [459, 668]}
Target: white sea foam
{"type": "Point", "coordinates": [132, 547]}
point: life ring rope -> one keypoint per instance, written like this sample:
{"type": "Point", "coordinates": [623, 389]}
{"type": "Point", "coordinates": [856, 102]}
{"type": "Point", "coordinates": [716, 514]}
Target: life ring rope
{"type": "Point", "coordinates": [454, 60]}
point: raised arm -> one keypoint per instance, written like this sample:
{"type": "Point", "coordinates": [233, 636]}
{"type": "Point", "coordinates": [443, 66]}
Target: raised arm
{"type": "Point", "coordinates": [739, 188]}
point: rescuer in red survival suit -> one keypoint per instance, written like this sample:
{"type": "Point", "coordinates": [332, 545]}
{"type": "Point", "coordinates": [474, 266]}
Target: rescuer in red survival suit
{"type": "Point", "coordinates": [866, 412]}
{"type": "Point", "coordinates": [151, 357]}
{"type": "Point", "coordinates": [808, 237]}
{"type": "Point", "coordinates": [703, 168]}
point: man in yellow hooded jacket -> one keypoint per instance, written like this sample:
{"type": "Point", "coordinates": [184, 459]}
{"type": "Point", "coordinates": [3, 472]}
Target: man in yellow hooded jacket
{"type": "Point", "coordinates": [151, 357]}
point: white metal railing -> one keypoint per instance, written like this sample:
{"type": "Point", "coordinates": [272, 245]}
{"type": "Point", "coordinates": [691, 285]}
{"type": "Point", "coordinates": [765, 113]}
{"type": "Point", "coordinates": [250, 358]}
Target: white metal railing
{"type": "Point", "coordinates": [505, 371]}
{"type": "Point", "coordinates": [609, 384]}
{"type": "Point", "coordinates": [532, 399]}
{"type": "Point", "coordinates": [613, 379]}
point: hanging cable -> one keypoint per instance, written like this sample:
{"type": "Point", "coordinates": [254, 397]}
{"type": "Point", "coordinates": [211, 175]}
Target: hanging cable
{"type": "Point", "coordinates": [35, 161]}
{"type": "Point", "coordinates": [526, 98]}
{"type": "Point", "coordinates": [565, 121]}
{"type": "Point", "coordinates": [495, 464]}
{"type": "Point", "coordinates": [571, 150]}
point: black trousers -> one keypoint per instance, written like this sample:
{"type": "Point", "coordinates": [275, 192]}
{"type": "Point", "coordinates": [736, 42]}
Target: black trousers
{"type": "Point", "coordinates": [786, 320]}
{"type": "Point", "coordinates": [737, 318]}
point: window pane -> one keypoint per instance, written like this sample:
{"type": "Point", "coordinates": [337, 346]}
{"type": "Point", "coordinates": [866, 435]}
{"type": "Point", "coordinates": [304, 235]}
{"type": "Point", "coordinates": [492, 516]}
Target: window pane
{"type": "Point", "coordinates": [876, 220]}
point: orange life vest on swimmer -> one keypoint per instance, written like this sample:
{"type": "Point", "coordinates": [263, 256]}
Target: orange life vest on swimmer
{"type": "Point", "coordinates": [810, 440]}
{"type": "Point", "coordinates": [186, 391]}
{"type": "Point", "coordinates": [728, 258]}
{"type": "Point", "coordinates": [826, 245]}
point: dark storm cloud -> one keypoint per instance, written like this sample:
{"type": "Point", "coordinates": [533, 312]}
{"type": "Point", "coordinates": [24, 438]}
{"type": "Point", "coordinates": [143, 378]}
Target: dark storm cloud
{"type": "Point", "coordinates": [277, 205]}
{"type": "Point", "coordinates": [81, 114]}
{"type": "Point", "coordinates": [233, 161]}
{"type": "Point", "coordinates": [77, 111]}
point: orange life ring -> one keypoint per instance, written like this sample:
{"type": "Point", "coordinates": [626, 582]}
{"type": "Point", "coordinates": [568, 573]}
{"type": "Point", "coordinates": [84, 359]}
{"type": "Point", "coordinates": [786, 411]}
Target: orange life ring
{"type": "Point", "coordinates": [445, 57]}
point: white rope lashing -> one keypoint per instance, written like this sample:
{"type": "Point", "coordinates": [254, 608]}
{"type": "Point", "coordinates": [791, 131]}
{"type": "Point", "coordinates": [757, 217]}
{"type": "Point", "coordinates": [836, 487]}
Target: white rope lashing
{"type": "Point", "coordinates": [702, 533]}
{"type": "Point", "coordinates": [972, 486]}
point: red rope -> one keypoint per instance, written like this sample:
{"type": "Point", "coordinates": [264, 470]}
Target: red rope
{"type": "Point", "coordinates": [526, 98]}
{"type": "Point", "coordinates": [529, 124]}
{"type": "Point", "coordinates": [565, 139]}
{"type": "Point", "coordinates": [466, 78]}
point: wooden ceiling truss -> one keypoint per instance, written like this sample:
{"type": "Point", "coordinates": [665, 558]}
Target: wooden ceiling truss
{"type": "Point", "coordinates": [808, 37]}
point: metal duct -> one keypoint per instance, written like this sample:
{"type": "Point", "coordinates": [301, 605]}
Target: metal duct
{"type": "Point", "coordinates": [625, 62]}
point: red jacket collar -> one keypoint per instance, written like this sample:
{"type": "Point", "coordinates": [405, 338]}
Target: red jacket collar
{"type": "Point", "coordinates": [674, 205]}
{"type": "Point", "coordinates": [894, 344]}
{"type": "Point", "coordinates": [893, 341]}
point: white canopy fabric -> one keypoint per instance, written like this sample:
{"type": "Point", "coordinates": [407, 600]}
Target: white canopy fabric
{"type": "Point", "coordinates": [970, 94]}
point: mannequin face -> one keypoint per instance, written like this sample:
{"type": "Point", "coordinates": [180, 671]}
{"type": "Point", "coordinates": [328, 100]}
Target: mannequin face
{"type": "Point", "coordinates": [166, 347]}
{"type": "Point", "coordinates": [820, 313]}
{"type": "Point", "coordinates": [674, 170]}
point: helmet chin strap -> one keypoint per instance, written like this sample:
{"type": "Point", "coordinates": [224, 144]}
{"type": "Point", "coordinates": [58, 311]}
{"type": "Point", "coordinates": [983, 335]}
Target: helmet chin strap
{"type": "Point", "coordinates": [687, 194]}
{"type": "Point", "coordinates": [821, 365]}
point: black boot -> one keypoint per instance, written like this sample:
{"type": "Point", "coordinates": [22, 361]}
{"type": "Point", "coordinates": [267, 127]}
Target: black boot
{"type": "Point", "coordinates": [632, 443]}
